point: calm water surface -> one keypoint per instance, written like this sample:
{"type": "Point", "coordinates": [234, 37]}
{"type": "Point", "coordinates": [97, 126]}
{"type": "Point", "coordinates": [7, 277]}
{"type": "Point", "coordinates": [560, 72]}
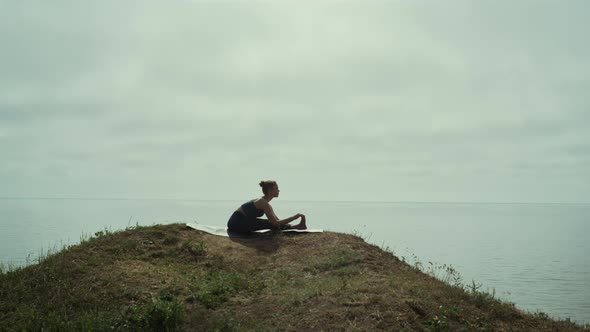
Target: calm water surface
{"type": "Point", "coordinates": [535, 255]}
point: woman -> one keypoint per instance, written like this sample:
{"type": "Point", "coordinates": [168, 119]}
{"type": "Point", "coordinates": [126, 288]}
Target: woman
{"type": "Point", "coordinates": [246, 218]}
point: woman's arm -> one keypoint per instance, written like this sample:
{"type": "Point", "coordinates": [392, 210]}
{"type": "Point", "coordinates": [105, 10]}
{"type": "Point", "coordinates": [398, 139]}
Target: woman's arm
{"type": "Point", "coordinates": [272, 217]}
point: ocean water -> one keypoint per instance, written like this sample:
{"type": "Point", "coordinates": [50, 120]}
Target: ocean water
{"type": "Point", "coordinates": [534, 255]}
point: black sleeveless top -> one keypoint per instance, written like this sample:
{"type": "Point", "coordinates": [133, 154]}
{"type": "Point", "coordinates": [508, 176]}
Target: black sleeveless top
{"type": "Point", "coordinates": [251, 210]}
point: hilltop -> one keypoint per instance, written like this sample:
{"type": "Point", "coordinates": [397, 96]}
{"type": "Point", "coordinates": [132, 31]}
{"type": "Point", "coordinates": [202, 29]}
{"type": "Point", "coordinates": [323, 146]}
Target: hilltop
{"type": "Point", "coordinates": [170, 277]}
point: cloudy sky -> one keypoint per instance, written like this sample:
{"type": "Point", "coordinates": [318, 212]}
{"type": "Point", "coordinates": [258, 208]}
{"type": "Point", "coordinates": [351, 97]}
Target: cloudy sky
{"type": "Point", "coordinates": [454, 101]}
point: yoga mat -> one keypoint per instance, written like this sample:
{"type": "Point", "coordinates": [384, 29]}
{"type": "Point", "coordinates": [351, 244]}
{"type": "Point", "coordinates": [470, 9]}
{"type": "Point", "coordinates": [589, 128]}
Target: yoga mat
{"type": "Point", "coordinates": [222, 231]}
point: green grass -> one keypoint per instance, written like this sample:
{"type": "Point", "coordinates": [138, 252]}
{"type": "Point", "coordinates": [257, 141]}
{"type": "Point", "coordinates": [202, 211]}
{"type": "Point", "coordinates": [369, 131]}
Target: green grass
{"type": "Point", "coordinates": [217, 286]}
{"type": "Point", "coordinates": [336, 259]}
{"type": "Point", "coordinates": [197, 249]}
{"type": "Point", "coordinates": [161, 314]}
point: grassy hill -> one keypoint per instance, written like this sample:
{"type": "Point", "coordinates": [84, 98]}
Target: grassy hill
{"type": "Point", "coordinates": [170, 277]}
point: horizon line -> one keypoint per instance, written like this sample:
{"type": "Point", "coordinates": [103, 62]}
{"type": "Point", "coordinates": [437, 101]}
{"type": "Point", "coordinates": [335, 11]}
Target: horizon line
{"type": "Point", "coordinates": [286, 200]}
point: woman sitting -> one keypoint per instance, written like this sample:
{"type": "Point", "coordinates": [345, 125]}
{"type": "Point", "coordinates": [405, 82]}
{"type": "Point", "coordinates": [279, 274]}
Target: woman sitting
{"type": "Point", "coordinates": [246, 217]}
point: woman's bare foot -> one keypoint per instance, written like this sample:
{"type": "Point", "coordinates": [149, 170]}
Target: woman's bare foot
{"type": "Point", "coordinates": [301, 224]}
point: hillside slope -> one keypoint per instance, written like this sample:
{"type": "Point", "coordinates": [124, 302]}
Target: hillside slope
{"type": "Point", "coordinates": [170, 277]}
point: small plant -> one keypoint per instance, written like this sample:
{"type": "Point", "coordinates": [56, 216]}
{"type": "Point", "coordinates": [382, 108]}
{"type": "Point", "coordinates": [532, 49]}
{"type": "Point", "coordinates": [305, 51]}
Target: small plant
{"type": "Point", "coordinates": [365, 237]}
{"type": "Point", "coordinates": [104, 232]}
{"type": "Point", "coordinates": [453, 312]}
{"type": "Point", "coordinates": [85, 237]}
{"type": "Point", "coordinates": [168, 292]}
{"type": "Point", "coordinates": [159, 315]}
{"type": "Point", "coordinates": [387, 248]}
{"type": "Point", "coordinates": [195, 249]}
{"type": "Point", "coordinates": [7, 268]}
{"type": "Point", "coordinates": [480, 297]}
{"type": "Point", "coordinates": [541, 315]}
{"type": "Point", "coordinates": [439, 323]}
{"type": "Point", "coordinates": [413, 261]}
{"type": "Point", "coordinates": [446, 273]}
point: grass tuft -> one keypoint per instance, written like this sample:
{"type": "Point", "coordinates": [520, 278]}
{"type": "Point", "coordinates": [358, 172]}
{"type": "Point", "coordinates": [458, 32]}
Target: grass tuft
{"type": "Point", "coordinates": [196, 249]}
{"type": "Point", "coordinates": [216, 287]}
{"type": "Point", "coordinates": [161, 314]}
{"type": "Point", "coordinates": [337, 258]}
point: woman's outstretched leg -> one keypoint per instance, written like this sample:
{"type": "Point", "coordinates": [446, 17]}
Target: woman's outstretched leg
{"type": "Point", "coordinates": [266, 224]}
{"type": "Point", "coordinates": [262, 224]}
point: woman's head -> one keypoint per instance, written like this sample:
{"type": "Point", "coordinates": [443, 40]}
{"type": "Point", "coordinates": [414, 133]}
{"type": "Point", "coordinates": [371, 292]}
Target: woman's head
{"type": "Point", "coordinates": [269, 187]}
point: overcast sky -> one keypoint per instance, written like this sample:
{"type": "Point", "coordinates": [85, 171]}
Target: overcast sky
{"type": "Point", "coordinates": [462, 101]}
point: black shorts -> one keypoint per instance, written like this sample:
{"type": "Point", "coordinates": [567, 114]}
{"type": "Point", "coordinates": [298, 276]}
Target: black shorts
{"type": "Point", "coordinates": [239, 223]}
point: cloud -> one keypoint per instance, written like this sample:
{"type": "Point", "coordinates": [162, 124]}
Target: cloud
{"type": "Point", "coordinates": [97, 99]}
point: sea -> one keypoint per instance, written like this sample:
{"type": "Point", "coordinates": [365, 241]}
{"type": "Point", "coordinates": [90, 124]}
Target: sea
{"type": "Point", "coordinates": [533, 255]}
